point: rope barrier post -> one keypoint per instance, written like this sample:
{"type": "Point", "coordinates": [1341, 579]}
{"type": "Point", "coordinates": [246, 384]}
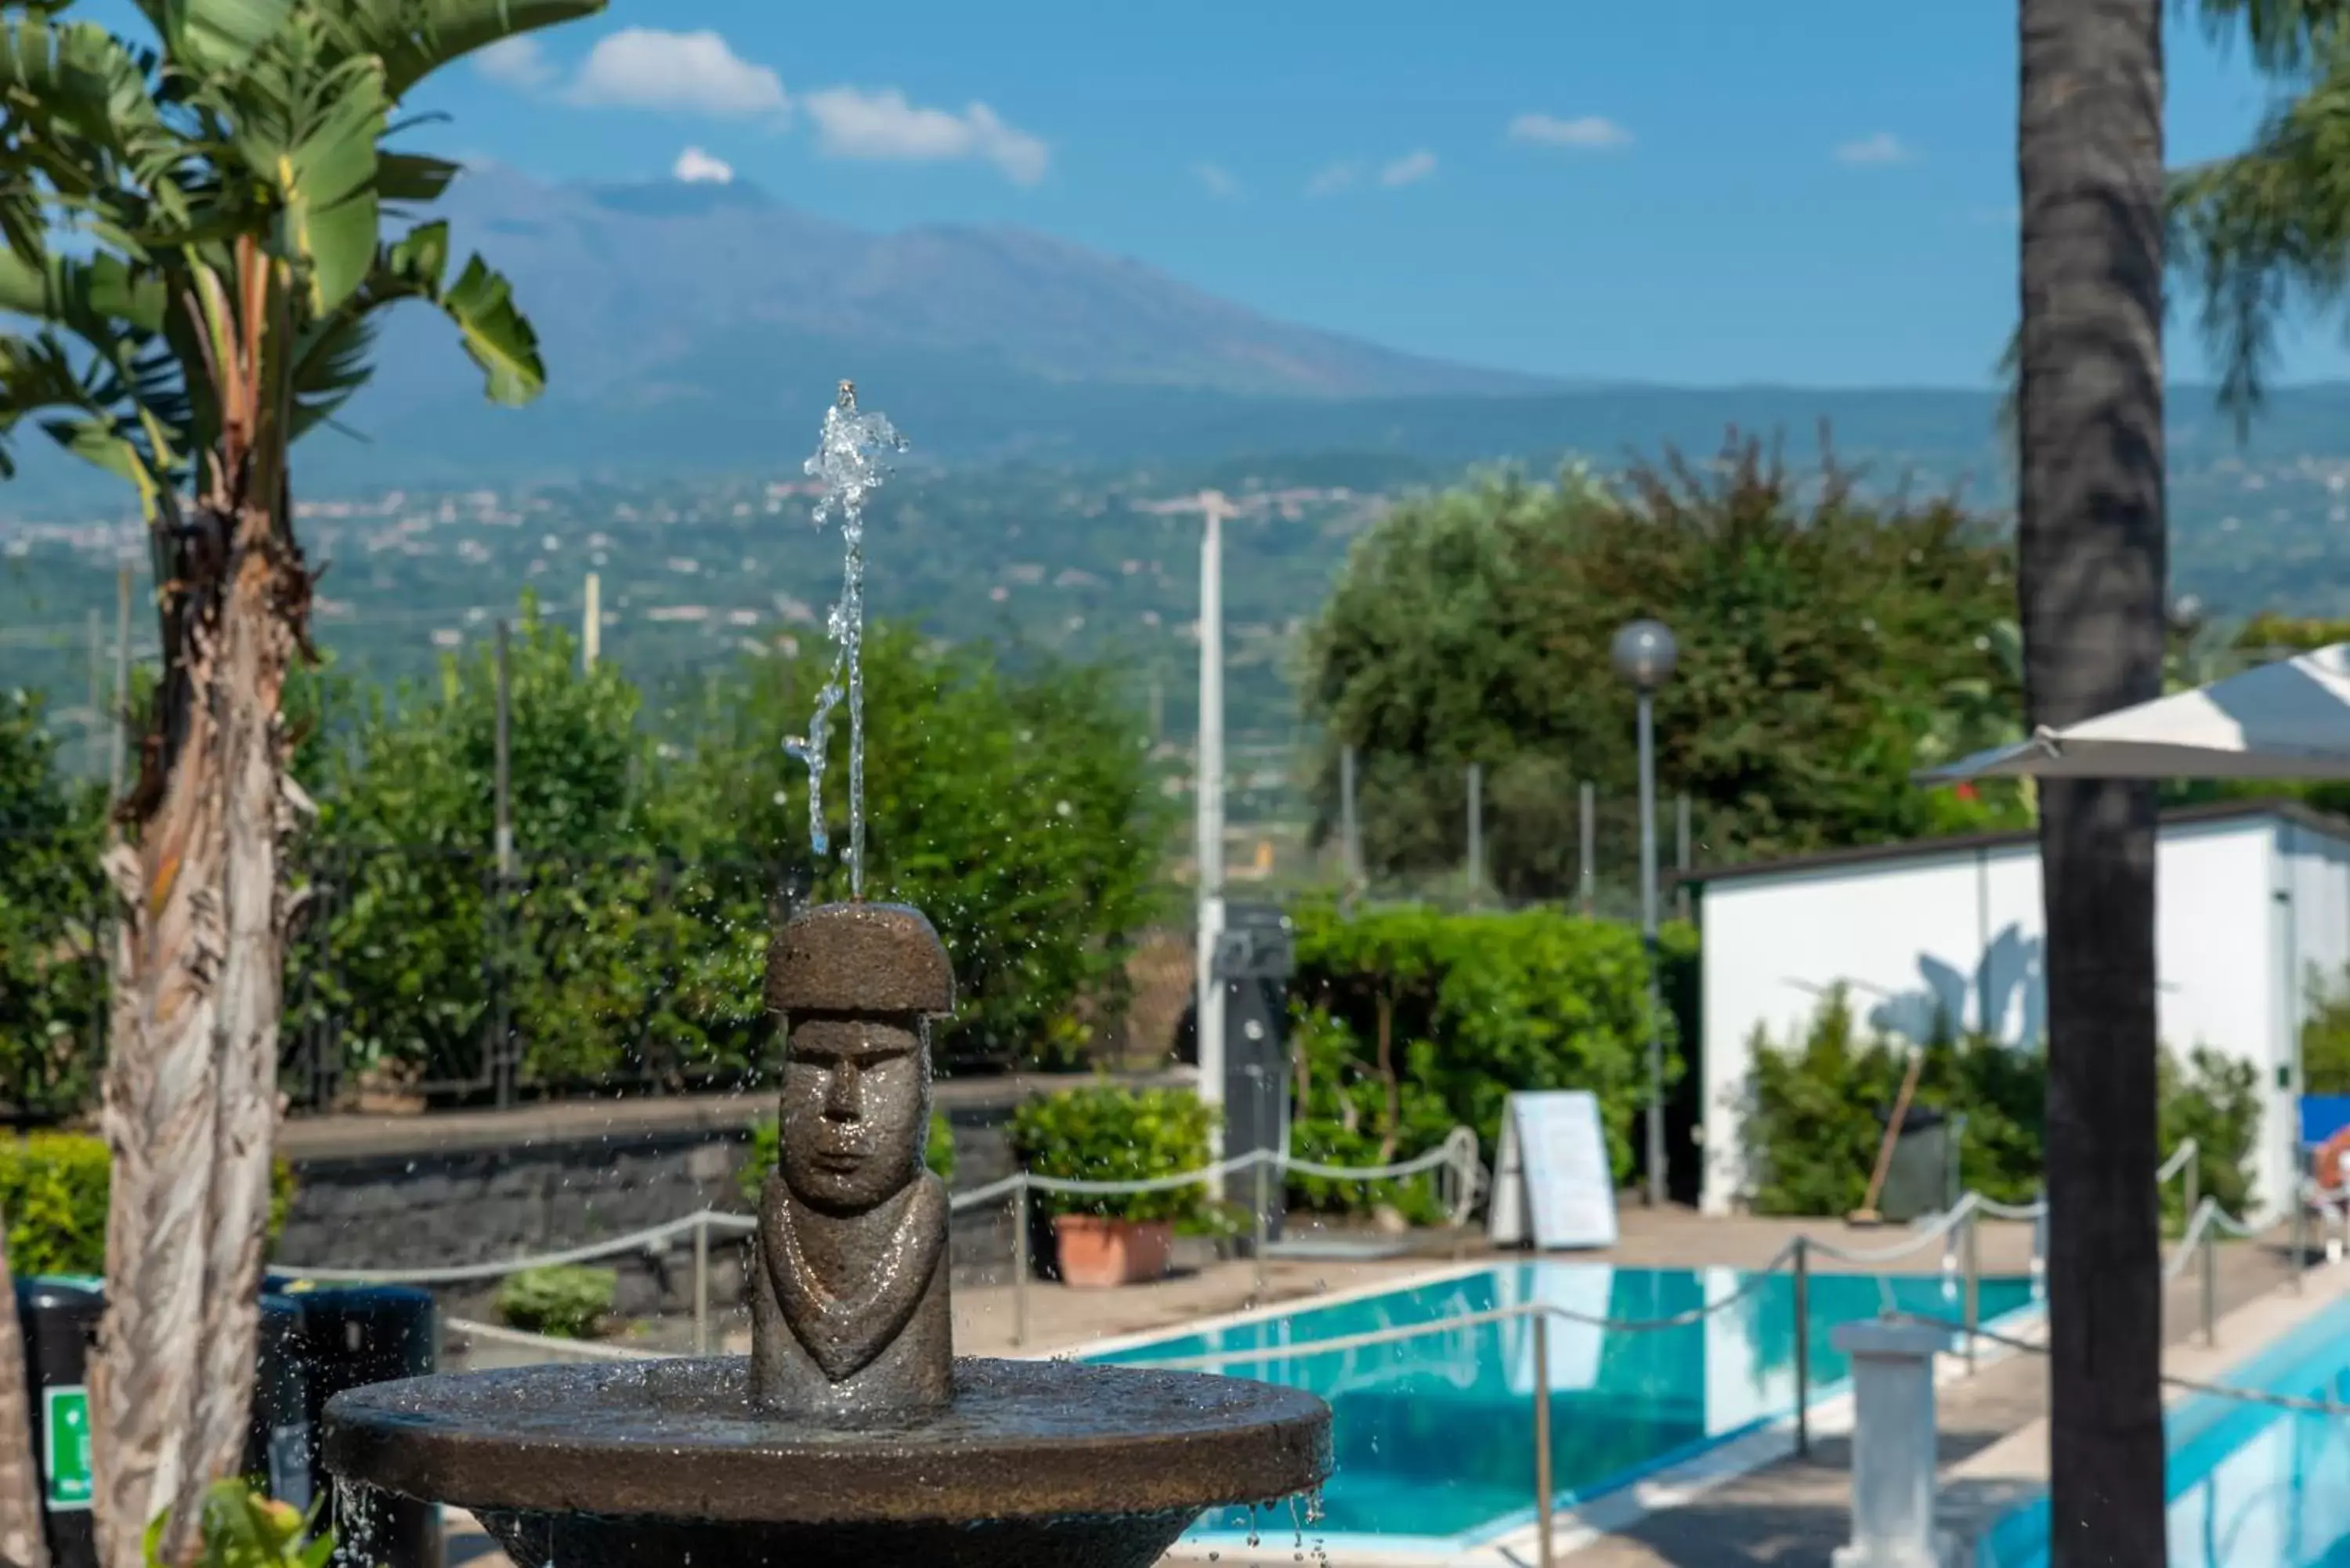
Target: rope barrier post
{"type": "Point", "coordinates": [701, 1285]}
{"type": "Point", "coordinates": [1972, 1247]}
{"type": "Point", "coordinates": [2300, 1242]}
{"type": "Point", "coordinates": [1542, 1489]}
{"type": "Point", "coordinates": [1020, 1260]}
{"type": "Point", "coordinates": [1263, 1223]}
{"type": "Point", "coordinates": [1804, 1347]}
{"type": "Point", "coordinates": [2209, 1261]}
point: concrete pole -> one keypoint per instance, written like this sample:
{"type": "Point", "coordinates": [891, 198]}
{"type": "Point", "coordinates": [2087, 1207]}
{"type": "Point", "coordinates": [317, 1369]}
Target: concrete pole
{"type": "Point", "coordinates": [1350, 825]}
{"type": "Point", "coordinates": [503, 797]}
{"type": "Point", "coordinates": [1649, 934]}
{"type": "Point", "coordinates": [1207, 789]}
{"type": "Point", "coordinates": [1476, 834]}
{"type": "Point", "coordinates": [1586, 874]}
{"type": "Point", "coordinates": [591, 623]}
{"type": "Point", "coordinates": [1893, 1456]}
{"type": "Point", "coordinates": [118, 730]}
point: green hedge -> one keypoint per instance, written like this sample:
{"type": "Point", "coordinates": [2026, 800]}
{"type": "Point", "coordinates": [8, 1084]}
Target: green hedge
{"type": "Point", "coordinates": [1814, 1130]}
{"type": "Point", "coordinates": [54, 1188]}
{"type": "Point", "coordinates": [1108, 1134]}
{"type": "Point", "coordinates": [1472, 1007]}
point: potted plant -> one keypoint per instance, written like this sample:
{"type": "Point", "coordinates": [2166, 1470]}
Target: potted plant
{"type": "Point", "coordinates": [1110, 1133]}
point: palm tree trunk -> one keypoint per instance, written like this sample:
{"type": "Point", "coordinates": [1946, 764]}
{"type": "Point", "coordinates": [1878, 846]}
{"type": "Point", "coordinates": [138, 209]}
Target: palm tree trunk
{"type": "Point", "coordinates": [259, 649]}
{"type": "Point", "coordinates": [190, 1101]}
{"type": "Point", "coordinates": [2093, 560]}
{"type": "Point", "coordinates": [160, 1114]}
{"type": "Point", "coordinates": [22, 1544]}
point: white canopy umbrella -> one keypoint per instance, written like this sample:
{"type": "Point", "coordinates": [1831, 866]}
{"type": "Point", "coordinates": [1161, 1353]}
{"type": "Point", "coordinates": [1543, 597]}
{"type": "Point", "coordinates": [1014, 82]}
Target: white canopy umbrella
{"type": "Point", "coordinates": [2286, 720]}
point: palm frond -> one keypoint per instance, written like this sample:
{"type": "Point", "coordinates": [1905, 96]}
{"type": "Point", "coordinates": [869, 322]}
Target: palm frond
{"type": "Point", "coordinates": [2256, 232]}
{"type": "Point", "coordinates": [416, 38]}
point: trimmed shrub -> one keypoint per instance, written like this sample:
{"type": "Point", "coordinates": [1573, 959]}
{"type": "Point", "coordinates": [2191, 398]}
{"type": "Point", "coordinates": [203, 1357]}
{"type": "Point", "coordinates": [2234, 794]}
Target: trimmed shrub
{"type": "Point", "coordinates": [1410, 1022]}
{"type": "Point", "coordinates": [54, 1188]}
{"type": "Point", "coordinates": [1108, 1134]}
{"type": "Point", "coordinates": [562, 1301]}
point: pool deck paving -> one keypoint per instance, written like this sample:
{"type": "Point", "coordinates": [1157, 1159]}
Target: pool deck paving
{"type": "Point", "coordinates": [1787, 1513]}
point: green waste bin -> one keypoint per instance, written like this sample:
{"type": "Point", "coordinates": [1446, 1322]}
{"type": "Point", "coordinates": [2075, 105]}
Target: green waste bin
{"type": "Point", "coordinates": [60, 1320]}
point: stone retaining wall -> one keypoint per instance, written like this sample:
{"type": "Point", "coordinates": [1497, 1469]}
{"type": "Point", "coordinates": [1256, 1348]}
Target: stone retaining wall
{"type": "Point", "coordinates": [419, 1192]}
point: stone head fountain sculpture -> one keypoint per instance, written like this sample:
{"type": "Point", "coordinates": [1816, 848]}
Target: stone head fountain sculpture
{"type": "Point", "coordinates": [851, 1437]}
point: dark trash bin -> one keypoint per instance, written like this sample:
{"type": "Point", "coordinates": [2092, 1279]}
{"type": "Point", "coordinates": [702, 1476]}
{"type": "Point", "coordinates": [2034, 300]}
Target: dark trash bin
{"type": "Point", "coordinates": [60, 1320]}
{"type": "Point", "coordinates": [352, 1336]}
{"type": "Point", "coordinates": [278, 1448]}
{"type": "Point", "coordinates": [1921, 1178]}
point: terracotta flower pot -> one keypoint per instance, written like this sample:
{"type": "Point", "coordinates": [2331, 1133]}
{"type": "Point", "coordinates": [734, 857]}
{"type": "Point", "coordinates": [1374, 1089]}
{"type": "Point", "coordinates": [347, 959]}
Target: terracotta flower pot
{"type": "Point", "coordinates": [1097, 1253]}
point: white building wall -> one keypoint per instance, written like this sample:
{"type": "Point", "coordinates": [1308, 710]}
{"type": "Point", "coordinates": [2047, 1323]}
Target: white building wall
{"type": "Point", "coordinates": [1961, 932]}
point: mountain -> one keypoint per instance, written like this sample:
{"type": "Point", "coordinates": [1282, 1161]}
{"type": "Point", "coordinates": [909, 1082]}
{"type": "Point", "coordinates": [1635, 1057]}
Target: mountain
{"type": "Point", "coordinates": [630, 282]}
{"type": "Point", "coordinates": [701, 329]}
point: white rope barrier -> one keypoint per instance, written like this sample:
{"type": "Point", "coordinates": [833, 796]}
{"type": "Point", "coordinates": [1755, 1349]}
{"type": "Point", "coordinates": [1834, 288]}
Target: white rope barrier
{"type": "Point", "coordinates": [585, 1349]}
{"type": "Point", "coordinates": [1457, 1153]}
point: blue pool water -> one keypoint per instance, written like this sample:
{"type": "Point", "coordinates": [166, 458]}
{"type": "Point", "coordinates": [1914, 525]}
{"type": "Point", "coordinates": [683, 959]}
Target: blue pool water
{"type": "Point", "coordinates": [2251, 1486]}
{"type": "Point", "coordinates": [1434, 1436]}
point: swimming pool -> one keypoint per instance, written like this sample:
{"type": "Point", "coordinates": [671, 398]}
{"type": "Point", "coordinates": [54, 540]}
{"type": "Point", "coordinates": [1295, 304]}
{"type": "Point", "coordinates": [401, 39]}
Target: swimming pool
{"type": "Point", "coordinates": [2251, 1486]}
{"type": "Point", "coordinates": [1434, 1436]}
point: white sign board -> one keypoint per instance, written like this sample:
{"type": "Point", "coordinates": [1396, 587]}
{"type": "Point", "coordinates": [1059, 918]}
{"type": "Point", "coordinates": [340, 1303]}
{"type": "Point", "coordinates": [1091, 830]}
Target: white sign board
{"type": "Point", "coordinates": [1552, 1185]}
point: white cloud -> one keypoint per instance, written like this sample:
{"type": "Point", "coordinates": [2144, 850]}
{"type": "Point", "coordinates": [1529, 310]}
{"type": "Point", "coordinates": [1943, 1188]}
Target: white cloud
{"type": "Point", "coordinates": [1589, 133]}
{"type": "Point", "coordinates": [1883, 147]}
{"type": "Point", "coordinates": [645, 67]}
{"type": "Point", "coordinates": [852, 122]}
{"type": "Point", "coordinates": [696, 167]}
{"type": "Point", "coordinates": [1219, 181]}
{"type": "Point", "coordinates": [519, 61]}
{"type": "Point", "coordinates": [1335, 178]}
{"type": "Point", "coordinates": [1410, 169]}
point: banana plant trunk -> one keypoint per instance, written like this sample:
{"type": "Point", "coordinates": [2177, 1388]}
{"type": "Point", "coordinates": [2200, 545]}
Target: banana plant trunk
{"type": "Point", "coordinates": [22, 1544]}
{"type": "Point", "coordinates": [190, 1106]}
{"type": "Point", "coordinates": [2093, 560]}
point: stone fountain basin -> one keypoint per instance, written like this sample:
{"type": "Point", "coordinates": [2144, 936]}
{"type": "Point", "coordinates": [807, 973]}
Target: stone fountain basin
{"type": "Point", "coordinates": [662, 1463]}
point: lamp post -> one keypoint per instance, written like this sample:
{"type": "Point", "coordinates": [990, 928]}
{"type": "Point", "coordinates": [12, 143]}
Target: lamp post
{"type": "Point", "coordinates": [1644, 653]}
{"type": "Point", "coordinates": [1208, 788]}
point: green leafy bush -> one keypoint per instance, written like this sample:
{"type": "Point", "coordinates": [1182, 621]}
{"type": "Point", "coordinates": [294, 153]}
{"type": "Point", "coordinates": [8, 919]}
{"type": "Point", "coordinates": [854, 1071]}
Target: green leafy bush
{"type": "Point", "coordinates": [2326, 1034]}
{"type": "Point", "coordinates": [563, 1301]}
{"type": "Point", "coordinates": [54, 1188]}
{"type": "Point", "coordinates": [241, 1527]}
{"type": "Point", "coordinates": [766, 1147]}
{"type": "Point", "coordinates": [1814, 1127]}
{"type": "Point", "coordinates": [1412, 1022]}
{"type": "Point", "coordinates": [1108, 1134]}
{"type": "Point", "coordinates": [52, 982]}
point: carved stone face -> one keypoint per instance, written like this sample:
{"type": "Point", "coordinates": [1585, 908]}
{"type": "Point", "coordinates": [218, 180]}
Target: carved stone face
{"type": "Point", "coordinates": [856, 1106]}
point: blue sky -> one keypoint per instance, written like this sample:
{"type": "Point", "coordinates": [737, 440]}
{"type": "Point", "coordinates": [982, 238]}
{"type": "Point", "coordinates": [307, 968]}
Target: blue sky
{"type": "Point", "coordinates": [1702, 191]}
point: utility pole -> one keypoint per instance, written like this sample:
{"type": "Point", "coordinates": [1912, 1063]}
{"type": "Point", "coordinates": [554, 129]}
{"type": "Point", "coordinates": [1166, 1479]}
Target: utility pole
{"type": "Point", "coordinates": [1208, 800]}
{"type": "Point", "coordinates": [1586, 876]}
{"type": "Point", "coordinates": [591, 623]}
{"type": "Point", "coordinates": [1476, 834]}
{"type": "Point", "coordinates": [118, 731]}
{"type": "Point", "coordinates": [1350, 824]}
{"type": "Point", "coordinates": [503, 840]}
{"type": "Point", "coordinates": [94, 750]}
